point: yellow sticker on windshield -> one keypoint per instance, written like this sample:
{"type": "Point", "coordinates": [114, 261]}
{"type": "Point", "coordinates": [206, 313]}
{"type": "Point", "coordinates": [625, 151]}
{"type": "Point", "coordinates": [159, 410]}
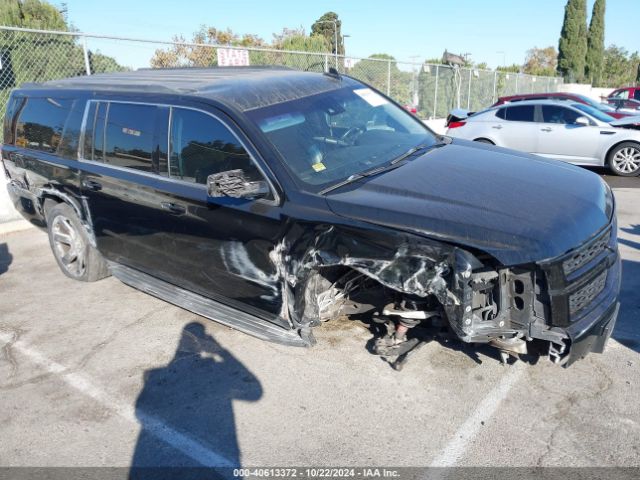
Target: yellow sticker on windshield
{"type": "Point", "coordinates": [318, 167]}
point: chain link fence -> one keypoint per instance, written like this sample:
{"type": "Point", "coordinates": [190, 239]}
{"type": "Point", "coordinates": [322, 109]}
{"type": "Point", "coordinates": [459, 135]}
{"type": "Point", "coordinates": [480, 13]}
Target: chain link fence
{"type": "Point", "coordinates": [36, 56]}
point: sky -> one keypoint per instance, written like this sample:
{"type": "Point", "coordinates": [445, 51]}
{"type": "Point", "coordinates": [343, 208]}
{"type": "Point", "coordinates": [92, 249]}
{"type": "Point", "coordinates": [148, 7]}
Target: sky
{"type": "Point", "coordinates": [491, 31]}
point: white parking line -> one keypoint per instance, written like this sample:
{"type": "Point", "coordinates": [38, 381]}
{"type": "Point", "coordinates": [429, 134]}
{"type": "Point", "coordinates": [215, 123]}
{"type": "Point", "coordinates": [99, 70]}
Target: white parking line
{"type": "Point", "coordinates": [456, 447]}
{"type": "Point", "coordinates": [181, 442]}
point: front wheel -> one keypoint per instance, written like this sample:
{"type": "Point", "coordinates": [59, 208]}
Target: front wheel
{"type": "Point", "coordinates": [76, 257]}
{"type": "Point", "coordinates": [624, 159]}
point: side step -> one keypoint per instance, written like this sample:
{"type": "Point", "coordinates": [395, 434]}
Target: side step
{"type": "Point", "coordinates": [206, 307]}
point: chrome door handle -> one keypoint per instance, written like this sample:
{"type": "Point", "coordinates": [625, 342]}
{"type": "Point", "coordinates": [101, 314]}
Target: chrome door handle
{"type": "Point", "coordinates": [174, 208]}
{"type": "Point", "coordinates": [547, 129]}
{"type": "Point", "coordinates": [497, 127]}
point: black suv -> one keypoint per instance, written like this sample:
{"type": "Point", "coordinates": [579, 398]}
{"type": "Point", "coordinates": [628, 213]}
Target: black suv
{"type": "Point", "coordinates": [272, 200]}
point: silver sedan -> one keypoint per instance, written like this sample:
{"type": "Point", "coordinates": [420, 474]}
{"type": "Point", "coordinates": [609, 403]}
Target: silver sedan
{"type": "Point", "coordinates": [562, 130]}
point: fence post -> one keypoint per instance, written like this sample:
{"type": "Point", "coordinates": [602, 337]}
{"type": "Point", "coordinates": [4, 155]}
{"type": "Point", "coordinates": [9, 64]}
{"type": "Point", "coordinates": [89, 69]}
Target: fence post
{"type": "Point", "coordinates": [326, 63]}
{"type": "Point", "coordinates": [517, 76]}
{"type": "Point", "coordinates": [388, 78]}
{"type": "Point", "coordinates": [87, 65]}
{"type": "Point", "coordinates": [495, 86]}
{"type": "Point", "coordinates": [435, 93]}
{"type": "Point", "coordinates": [469, 92]}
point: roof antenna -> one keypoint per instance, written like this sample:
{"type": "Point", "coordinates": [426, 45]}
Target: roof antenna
{"type": "Point", "coordinates": [332, 72]}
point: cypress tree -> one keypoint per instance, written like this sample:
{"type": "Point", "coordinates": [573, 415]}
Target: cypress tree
{"type": "Point", "coordinates": [595, 44]}
{"type": "Point", "coordinates": [572, 48]}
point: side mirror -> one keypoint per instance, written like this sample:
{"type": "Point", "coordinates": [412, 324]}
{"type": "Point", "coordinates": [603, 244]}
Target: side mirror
{"type": "Point", "coordinates": [233, 183]}
{"type": "Point", "coordinates": [582, 121]}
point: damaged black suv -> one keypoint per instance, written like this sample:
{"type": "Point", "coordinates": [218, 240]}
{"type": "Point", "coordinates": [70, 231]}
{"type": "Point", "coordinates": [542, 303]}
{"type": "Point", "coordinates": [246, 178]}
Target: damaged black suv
{"type": "Point", "coordinates": [273, 200]}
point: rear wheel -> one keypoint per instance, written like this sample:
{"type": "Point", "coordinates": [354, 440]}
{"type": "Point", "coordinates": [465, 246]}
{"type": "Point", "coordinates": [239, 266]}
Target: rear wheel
{"type": "Point", "coordinates": [70, 245]}
{"type": "Point", "coordinates": [624, 159]}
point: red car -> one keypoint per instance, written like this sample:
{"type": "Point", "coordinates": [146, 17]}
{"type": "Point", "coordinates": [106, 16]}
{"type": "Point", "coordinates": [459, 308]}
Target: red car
{"type": "Point", "coordinates": [627, 98]}
{"type": "Point", "coordinates": [564, 96]}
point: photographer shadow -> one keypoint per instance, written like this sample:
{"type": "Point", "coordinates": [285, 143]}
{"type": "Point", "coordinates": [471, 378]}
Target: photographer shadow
{"type": "Point", "coordinates": [185, 408]}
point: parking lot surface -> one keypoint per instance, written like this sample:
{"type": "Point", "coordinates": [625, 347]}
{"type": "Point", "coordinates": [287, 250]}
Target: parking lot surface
{"type": "Point", "coordinates": [103, 375]}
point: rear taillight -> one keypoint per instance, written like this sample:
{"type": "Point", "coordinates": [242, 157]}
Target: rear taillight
{"type": "Point", "coordinates": [457, 124]}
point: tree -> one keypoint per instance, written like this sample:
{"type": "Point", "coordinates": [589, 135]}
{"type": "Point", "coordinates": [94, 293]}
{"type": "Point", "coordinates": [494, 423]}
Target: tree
{"type": "Point", "coordinates": [595, 44]}
{"type": "Point", "coordinates": [31, 14]}
{"type": "Point", "coordinates": [541, 61]}
{"type": "Point", "coordinates": [199, 52]}
{"type": "Point", "coordinates": [620, 68]}
{"type": "Point", "coordinates": [328, 25]}
{"type": "Point", "coordinates": [572, 47]}
{"type": "Point", "coordinates": [377, 71]}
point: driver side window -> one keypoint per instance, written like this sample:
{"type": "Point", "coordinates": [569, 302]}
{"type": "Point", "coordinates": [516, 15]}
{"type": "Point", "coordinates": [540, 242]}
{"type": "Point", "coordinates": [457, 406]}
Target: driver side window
{"type": "Point", "coordinates": [202, 145]}
{"type": "Point", "coordinates": [560, 115]}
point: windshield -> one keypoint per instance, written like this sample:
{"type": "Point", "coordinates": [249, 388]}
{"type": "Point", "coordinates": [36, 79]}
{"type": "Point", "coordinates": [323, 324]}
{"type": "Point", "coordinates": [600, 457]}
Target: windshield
{"type": "Point", "coordinates": [594, 112]}
{"type": "Point", "coordinates": [329, 137]}
{"type": "Point", "coordinates": [599, 106]}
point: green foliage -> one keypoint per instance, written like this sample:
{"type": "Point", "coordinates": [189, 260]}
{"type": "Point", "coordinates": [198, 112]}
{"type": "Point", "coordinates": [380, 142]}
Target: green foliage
{"type": "Point", "coordinates": [541, 61]}
{"type": "Point", "coordinates": [326, 27]}
{"type": "Point", "coordinates": [620, 67]}
{"type": "Point", "coordinates": [509, 68]}
{"type": "Point", "coordinates": [31, 14]}
{"type": "Point", "coordinates": [572, 47]}
{"type": "Point", "coordinates": [595, 44]}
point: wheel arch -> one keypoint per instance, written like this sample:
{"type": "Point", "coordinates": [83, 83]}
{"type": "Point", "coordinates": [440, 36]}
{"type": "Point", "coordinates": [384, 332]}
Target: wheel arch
{"type": "Point", "coordinates": [48, 194]}
{"type": "Point", "coordinates": [617, 144]}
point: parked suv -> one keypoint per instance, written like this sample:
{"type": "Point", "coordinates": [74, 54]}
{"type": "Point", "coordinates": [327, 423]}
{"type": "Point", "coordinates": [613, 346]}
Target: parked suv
{"type": "Point", "coordinates": [271, 201]}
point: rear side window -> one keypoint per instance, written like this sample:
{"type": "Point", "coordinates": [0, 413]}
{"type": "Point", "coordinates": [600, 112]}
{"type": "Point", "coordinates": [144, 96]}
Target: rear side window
{"type": "Point", "coordinates": [520, 113]}
{"type": "Point", "coordinates": [41, 123]}
{"type": "Point", "coordinates": [201, 145]}
{"type": "Point", "coordinates": [127, 135]}
{"type": "Point", "coordinates": [636, 94]}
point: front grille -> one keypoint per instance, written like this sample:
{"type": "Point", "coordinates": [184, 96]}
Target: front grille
{"type": "Point", "coordinates": [586, 253]}
{"type": "Point", "coordinates": [584, 296]}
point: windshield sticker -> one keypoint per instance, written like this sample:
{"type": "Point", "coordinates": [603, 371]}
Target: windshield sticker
{"type": "Point", "coordinates": [371, 97]}
{"type": "Point", "coordinates": [318, 167]}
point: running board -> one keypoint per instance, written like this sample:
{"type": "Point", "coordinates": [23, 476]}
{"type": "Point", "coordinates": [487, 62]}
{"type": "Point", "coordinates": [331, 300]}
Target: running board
{"type": "Point", "coordinates": [206, 307]}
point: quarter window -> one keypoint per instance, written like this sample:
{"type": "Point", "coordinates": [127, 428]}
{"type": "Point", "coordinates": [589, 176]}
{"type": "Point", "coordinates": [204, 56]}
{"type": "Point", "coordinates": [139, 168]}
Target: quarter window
{"type": "Point", "coordinates": [201, 145]}
{"type": "Point", "coordinates": [41, 123]}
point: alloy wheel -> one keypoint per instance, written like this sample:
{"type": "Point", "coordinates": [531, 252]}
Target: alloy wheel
{"type": "Point", "coordinates": [627, 160]}
{"type": "Point", "coordinates": [68, 245]}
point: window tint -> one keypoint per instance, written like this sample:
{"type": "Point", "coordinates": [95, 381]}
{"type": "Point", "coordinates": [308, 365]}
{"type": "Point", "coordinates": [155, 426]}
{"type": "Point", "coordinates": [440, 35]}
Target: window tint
{"type": "Point", "coordinates": [556, 114]}
{"type": "Point", "coordinates": [636, 94]}
{"type": "Point", "coordinates": [41, 122]}
{"type": "Point", "coordinates": [201, 145]}
{"type": "Point", "coordinates": [129, 135]}
{"type": "Point", "coordinates": [502, 113]}
{"type": "Point", "coordinates": [70, 140]}
{"type": "Point", "coordinates": [521, 113]}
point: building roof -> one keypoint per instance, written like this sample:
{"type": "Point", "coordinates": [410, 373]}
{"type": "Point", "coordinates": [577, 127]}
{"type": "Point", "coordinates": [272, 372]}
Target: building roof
{"type": "Point", "coordinates": [245, 88]}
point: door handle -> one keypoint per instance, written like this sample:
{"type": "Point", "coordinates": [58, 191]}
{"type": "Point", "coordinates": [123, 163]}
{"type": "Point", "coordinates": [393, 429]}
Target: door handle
{"type": "Point", "coordinates": [546, 129]}
{"type": "Point", "coordinates": [497, 127]}
{"type": "Point", "coordinates": [92, 185]}
{"type": "Point", "coordinates": [174, 208]}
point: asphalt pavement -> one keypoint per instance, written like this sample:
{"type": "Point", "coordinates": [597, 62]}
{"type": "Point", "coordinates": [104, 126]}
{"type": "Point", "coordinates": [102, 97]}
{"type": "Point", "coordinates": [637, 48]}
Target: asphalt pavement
{"type": "Point", "coordinates": [103, 375]}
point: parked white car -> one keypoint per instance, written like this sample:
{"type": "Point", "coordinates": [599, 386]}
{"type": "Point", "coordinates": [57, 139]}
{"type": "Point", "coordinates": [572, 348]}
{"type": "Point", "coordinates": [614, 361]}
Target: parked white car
{"type": "Point", "coordinates": [558, 129]}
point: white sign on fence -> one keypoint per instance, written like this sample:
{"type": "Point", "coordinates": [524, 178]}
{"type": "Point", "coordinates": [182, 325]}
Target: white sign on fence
{"type": "Point", "coordinates": [232, 57]}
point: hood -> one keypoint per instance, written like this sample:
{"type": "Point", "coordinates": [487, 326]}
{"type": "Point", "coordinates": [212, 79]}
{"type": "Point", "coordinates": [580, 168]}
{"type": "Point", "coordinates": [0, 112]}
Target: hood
{"type": "Point", "coordinates": [628, 120]}
{"type": "Point", "coordinates": [516, 207]}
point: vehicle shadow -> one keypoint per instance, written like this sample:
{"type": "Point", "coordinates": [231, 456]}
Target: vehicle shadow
{"type": "Point", "coordinates": [185, 409]}
{"type": "Point", "coordinates": [627, 330]}
{"type": "Point", "coordinates": [5, 258]}
{"type": "Point", "coordinates": [633, 230]}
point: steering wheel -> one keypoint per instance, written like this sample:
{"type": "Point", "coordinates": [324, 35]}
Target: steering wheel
{"type": "Point", "coordinates": [350, 135]}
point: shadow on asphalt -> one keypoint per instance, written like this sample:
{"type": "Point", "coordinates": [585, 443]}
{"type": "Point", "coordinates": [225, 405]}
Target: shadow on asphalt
{"type": "Point", "coordinates": [5, 258]}
{"type": "Point", "coordinates": [627, 330]}
{"type": "Point", "coordinates": [185, 408]}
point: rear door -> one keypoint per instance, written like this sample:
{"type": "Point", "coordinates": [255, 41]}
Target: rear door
{"type": "Point", "coordinates": [562, 139]}
{"type": "Point", "coordinates": [515, 128]}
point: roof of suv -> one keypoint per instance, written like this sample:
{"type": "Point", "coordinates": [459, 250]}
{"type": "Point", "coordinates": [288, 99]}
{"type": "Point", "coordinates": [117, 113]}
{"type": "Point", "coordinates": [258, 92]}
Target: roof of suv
{"type": "Point", "coordinates": [245, 88]}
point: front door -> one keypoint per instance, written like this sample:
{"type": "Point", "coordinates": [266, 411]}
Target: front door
{"type": "Point", "coordinates": [562, 139]}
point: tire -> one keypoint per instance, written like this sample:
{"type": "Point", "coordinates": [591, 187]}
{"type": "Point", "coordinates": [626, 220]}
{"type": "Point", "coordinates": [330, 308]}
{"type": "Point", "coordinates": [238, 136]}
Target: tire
{"type": "Point", "coordinates": [624, 159]}
{"type": "Point", "coordinates": [71, 247]}
{"type": "Point", "coordinates": [484, 140]}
